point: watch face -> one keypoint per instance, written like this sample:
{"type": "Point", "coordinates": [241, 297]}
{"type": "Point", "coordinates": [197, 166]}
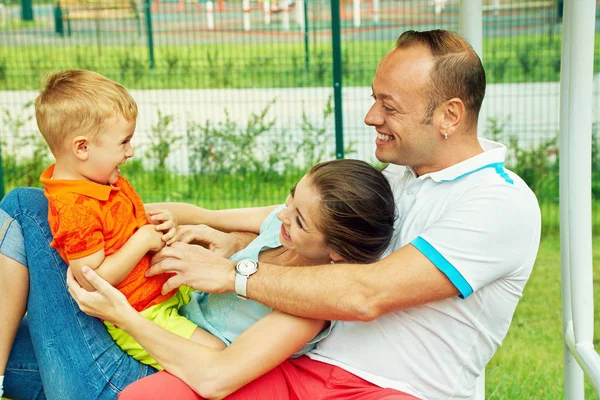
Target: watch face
{"type": "Point", "coordinates": [246, 267]}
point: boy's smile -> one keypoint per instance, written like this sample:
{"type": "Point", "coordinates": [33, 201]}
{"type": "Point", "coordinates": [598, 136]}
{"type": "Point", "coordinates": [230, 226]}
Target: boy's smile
{"type": "Point", "coordinates": [110, 149]}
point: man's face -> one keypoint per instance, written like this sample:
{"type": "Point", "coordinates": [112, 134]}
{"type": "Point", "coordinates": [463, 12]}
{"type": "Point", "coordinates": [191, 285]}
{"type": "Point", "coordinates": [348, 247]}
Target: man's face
{"type": "Point", "coordinates": [400, 91]}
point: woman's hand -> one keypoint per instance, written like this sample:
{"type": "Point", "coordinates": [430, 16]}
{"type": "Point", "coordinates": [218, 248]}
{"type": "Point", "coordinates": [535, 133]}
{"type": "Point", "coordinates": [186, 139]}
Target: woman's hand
{"type": "Point", "coordinates": [223, 244]}
{"type": "Point", "coordinates": [193, 266]}
{"type": "Point", "coordinates": [106, 302]}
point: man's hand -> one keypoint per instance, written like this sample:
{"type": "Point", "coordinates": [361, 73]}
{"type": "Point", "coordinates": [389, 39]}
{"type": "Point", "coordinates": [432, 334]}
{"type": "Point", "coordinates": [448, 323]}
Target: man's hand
{"type": "Point", "coordinates": [165, 222]}
{"type": "Point", "coordinates": [105, 302]}
{"type": "Point", "coordinates": [193, 266]}
{"type": "Point", "coordinates": [221, 243]}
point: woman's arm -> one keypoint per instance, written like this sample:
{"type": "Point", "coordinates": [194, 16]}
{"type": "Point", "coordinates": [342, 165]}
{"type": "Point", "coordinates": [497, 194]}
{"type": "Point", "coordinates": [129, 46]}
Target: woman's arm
{"type": "Point", "coordinates": [235, 219]}
{"type": "Point", "coordinates": [211, 373]}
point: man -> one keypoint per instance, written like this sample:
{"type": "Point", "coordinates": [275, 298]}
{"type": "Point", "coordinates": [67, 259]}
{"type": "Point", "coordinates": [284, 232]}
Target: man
{"type": "Point", "coordinates": [426, 318]}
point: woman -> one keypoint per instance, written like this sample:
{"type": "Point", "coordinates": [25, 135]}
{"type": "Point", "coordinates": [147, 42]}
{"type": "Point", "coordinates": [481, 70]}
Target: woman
{"type": "Point", "coordinates": [342, 210]}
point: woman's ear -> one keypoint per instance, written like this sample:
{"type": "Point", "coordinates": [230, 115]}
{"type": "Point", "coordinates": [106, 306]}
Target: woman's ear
{"type": "Point", "coordinates": [335, 257]}
{"type": "Point", "coordinates": [80, 147]}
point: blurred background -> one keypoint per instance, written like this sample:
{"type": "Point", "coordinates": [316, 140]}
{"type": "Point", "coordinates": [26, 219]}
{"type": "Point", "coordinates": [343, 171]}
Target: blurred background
{"type": "Point", "coordinates": [236, 98]}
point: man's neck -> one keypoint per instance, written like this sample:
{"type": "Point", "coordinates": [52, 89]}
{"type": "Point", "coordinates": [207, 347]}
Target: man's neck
{"type": "Point", "coordinates": [452, 155]}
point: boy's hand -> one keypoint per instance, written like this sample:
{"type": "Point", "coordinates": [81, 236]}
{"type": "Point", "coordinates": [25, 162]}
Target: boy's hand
{"type": "Point", "coordinates": [153, 237]}
{"type": "Point", "coordinates": [165, 222]}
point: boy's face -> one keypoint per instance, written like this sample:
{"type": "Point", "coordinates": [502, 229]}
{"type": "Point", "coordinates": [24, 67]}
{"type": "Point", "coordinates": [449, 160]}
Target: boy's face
{"type": "Point", "coordinates": [110, 148]}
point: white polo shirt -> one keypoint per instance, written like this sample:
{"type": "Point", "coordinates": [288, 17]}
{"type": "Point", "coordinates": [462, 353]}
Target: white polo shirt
{"type": "Point", "coordinates": [480, 225]}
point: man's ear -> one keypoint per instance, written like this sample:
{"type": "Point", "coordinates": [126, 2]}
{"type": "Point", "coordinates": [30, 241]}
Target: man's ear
{"type": "Point", "coordinates": [80, 147]}
{"type": "Point", "coordinates": [453, 112]}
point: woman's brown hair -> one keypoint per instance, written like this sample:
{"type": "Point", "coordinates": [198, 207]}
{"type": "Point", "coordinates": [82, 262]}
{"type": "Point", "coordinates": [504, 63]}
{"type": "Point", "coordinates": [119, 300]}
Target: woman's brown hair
{"type": "Point", "coordinates": [357, 208]}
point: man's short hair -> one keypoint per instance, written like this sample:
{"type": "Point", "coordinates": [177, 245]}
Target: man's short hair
{"type": "Point", "coordinates": [79, 102]}
{"type": "Point", "coordinates": [457, 70]}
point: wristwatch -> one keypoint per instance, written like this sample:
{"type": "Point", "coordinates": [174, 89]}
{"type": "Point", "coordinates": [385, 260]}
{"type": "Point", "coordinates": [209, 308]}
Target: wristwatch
{"type": "Point", "coordinates": [243, 270]}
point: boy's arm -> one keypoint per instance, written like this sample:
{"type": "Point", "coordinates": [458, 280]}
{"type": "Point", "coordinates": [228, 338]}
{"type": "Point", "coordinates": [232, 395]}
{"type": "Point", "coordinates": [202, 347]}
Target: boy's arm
{"type": "Point", "coordinates": [235, 219]}
{"type": "Point", "coordinates": [117, 266]}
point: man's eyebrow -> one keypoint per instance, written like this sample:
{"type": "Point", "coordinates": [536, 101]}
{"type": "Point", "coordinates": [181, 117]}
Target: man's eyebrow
{"type": "Point", "coordinates": [383, 96]}
{"type": "Point", "coordinates": [293, 190]}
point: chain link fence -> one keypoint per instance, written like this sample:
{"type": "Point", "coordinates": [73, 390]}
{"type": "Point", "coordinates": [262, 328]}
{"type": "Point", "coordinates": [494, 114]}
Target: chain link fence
{"type": "Point", "coordinates": [236, 98]}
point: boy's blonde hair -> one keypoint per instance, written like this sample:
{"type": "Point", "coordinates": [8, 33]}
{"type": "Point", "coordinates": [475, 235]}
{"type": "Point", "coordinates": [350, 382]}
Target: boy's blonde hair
{"type": "Point", "coordinates": [79, 102]}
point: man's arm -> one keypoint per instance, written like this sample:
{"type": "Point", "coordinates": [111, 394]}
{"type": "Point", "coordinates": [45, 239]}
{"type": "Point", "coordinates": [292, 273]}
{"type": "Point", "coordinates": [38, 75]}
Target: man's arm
{"type": "Point", "coordinates": [118, 265]}
{"type": "Point", "coordinates": [403, 279]}
{"type": "Point", "coordinates": [236, 219]}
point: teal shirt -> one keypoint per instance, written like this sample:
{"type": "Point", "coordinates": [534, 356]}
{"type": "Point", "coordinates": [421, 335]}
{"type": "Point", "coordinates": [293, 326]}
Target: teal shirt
{"type": "Point", "coordinates": [226, 316]}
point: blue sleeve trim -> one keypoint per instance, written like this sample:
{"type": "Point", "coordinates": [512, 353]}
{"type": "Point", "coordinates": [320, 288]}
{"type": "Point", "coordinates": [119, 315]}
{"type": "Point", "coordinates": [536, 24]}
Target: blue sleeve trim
{"type": "Point", "coordinates": [443, 265]}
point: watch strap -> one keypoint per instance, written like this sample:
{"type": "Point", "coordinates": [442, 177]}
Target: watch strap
{"type": "Point", "coordinates": [241, 285]}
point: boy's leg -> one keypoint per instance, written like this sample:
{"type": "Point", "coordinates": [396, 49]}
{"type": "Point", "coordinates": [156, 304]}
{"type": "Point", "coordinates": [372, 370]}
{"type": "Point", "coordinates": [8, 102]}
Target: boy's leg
{"type": "Point", "coordinates": [77, 357]}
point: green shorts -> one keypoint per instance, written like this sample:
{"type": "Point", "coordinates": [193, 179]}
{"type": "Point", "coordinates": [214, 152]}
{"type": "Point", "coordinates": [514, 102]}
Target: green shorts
{"type": "Point", "coordinates": [164, 314]}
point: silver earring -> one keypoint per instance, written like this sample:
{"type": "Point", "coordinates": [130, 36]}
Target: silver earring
{"type": "Point", "coordinates": [332, 262]}
{"type": "Point", "coordinates": [446, 135]}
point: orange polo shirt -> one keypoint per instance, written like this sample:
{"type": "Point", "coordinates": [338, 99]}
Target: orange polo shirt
{"type": "Point", "coordinates": [85, 216]}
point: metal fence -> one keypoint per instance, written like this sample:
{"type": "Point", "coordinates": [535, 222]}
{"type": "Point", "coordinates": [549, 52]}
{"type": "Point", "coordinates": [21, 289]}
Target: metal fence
{"type": "Point", "coordinates": [237, 98]}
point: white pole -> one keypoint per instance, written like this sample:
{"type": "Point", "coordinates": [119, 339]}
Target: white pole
{"type": "Point", "coordinates": [581, 71]}
{"type": "Point", "coordinates": [471, 24]}
{"type": "Point", "coordinates": [285, 19]}
{"type": "Point", "coordinates": [356, 12]}
{"type": "Point", "coordinates": [210, 16]}
{"type": "Point", "coordinates": [572, 372]}
{"type": "Point", "coordinates": [471, 28]}
{"type": "Point", "coordinates": [438, 6]}
{"type": "Point", "coordinates": [376, 11]}
{"type": "Point", "coordinates": [581, 44]}
{"type": "Point", "coordinates": [267, 11]}
{"type": "Point", "coordinates": [300, 14]}
{"type": "Point", "coordinates": [246, 14]}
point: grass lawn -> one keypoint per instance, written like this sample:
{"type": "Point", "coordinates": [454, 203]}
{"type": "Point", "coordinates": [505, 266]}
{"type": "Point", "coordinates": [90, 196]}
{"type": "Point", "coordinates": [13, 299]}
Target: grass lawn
{"type": "Point", "coordinates": [519, 58]}
{"type": "Point", "coordinates": [529, 365]}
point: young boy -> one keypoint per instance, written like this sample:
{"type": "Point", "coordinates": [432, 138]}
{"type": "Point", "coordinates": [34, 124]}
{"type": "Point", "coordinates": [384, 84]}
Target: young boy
{"type": "Point", "coordinates": [94, 214]}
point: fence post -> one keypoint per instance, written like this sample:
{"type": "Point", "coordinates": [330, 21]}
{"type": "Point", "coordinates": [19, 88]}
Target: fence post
{"type": "Point", "coordinates": [26, 10]}
{"type": "Point", "coordinates": [246, 14]}
{"type": "Point", "coordinates": [337, 77]}
{"type": "Point", "coordinates": [147, 11]}
{"type": "Point", "coordinates": [210, 17]}
{"type": "Point", "coordinates": [305, 28]}
{"type": "Point", "coordinates": [58, 20]}
{"type": "Point", "coordinates": [1, 176]}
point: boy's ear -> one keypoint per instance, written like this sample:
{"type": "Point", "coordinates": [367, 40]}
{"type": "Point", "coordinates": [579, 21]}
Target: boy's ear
{"type": "Point", "coordinates": [80, 147]}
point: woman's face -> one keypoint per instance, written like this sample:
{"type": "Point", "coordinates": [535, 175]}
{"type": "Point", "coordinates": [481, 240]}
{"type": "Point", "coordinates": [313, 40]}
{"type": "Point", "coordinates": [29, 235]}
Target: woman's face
{"type": "Point", "coordinates": [299, 230]}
